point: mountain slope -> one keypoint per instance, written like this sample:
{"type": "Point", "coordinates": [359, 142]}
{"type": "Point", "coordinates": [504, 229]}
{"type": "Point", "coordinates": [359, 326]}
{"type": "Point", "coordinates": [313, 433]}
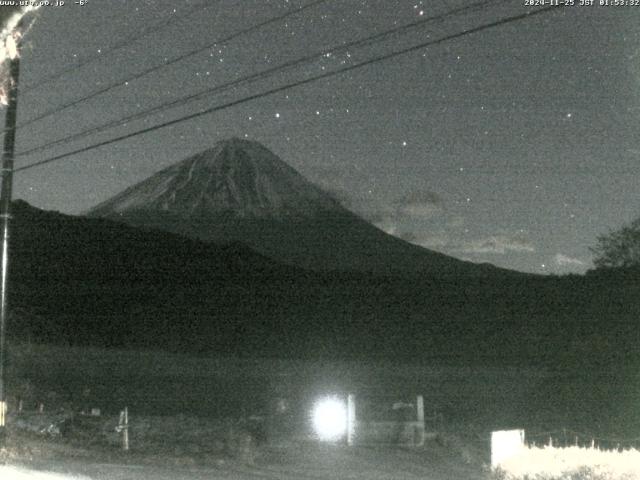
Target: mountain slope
{"type": "Point", "coordinates": [240, 191]}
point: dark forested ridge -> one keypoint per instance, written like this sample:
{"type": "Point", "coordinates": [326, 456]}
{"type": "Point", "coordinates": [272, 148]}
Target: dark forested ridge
{"type": "Point", "coordinates": [91, 281]}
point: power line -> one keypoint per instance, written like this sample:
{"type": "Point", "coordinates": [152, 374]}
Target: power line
{"type": "Point", "coordinates": [172, 61]}
{"type": "Point", "coordinates": [260, 75]}
{"type": "Point", "coordinates": [117, 46]}
{"type": "Point", "coordinates": [272, 91]}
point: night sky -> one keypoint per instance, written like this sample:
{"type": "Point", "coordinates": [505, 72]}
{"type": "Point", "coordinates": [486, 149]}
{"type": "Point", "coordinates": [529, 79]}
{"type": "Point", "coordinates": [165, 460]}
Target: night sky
{"type": "Point", "coordinates": [517, 145]}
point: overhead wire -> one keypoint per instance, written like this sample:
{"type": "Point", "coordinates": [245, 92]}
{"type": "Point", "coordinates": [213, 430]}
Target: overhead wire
{"type": "Point", "coordinates": [317, 55]}
{"type": "Point", "coordinates": [378, 59]}
{"type": "Point", "coordinates": [115, 47]}
{"type": "Point", "coordinates": [174, 60]}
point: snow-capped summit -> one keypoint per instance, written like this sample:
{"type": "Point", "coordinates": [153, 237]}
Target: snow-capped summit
{"type": "Point", "coordinates": [237, 177]}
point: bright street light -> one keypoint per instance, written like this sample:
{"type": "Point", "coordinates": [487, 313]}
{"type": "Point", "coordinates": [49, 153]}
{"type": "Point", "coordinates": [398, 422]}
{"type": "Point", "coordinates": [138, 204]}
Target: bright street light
{"type": "Point", "coordinates": [330, 418]}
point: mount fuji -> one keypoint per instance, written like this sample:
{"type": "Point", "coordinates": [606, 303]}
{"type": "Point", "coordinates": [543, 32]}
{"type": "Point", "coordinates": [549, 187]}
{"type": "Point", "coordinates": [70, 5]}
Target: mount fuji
{"type": "Point", "coordinates": [240, 191]}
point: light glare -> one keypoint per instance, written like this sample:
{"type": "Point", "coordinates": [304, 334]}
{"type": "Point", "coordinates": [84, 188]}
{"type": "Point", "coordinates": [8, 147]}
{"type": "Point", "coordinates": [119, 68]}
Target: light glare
{"type": "Point", "coordinates": [505, 444]}
{"type": "Point", "coordinates": [330, 419]}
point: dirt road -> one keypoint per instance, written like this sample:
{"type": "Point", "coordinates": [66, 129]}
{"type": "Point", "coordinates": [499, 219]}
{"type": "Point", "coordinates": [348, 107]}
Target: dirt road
{"type": "Point", "coordinates": [325, 463]}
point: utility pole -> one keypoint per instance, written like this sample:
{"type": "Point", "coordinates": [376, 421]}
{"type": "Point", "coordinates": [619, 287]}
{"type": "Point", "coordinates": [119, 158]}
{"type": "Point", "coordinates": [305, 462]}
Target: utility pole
{"type": "Point", "coordinates": [13, 44]}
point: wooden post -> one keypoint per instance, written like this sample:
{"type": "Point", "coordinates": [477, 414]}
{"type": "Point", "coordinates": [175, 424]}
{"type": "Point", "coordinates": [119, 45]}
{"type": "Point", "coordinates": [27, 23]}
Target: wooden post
{"type": "Point", "coordinates": [351, 419]}
{"type": "Point", "coordinates": [123, 426]}
{"type": "Point", "coordinates": [125, 433]}
{"type": "Point", "coordinates": [3, 413]}
{"type": "Point", "coordinates": [420, 413]}
{"type": "Point", "coordinates": [420, 408]}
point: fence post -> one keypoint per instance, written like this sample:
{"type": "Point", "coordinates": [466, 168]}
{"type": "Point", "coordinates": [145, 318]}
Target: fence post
{"type": "Point", "coordinates": [123, 426]}
{"type": "Point", "coordinates": [421, 427]}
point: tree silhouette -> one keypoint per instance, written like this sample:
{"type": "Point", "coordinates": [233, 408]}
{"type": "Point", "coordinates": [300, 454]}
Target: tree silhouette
{"type": "Point", "coordinates": [10, 29]}
{"type": "Point", "coordinates": [619, 248]}
{"type": "Point", "coordinates": [6, 12]}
